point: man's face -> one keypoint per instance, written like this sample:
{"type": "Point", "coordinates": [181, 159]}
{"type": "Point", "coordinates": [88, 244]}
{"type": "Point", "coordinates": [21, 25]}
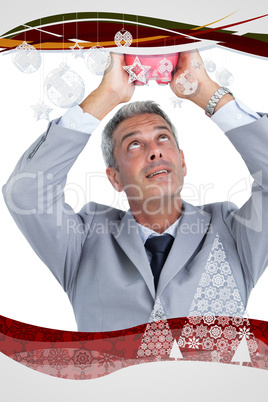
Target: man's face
{"type": "Point", "coordinates": [150, 165]}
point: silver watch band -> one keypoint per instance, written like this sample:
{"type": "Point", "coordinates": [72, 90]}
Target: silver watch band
{"type": "Point", "coordinates": [210, 108]}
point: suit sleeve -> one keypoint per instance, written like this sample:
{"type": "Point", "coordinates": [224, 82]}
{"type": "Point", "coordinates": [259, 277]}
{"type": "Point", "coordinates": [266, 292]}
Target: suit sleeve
{"type": "Point", "coordinates": [34, 195]}
{"type": "Point", "coordinates": [249, 224]}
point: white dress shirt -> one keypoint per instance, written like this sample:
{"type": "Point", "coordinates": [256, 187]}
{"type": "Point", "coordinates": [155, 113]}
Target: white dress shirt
{"type": "Point", "coordinates": [232, 115]}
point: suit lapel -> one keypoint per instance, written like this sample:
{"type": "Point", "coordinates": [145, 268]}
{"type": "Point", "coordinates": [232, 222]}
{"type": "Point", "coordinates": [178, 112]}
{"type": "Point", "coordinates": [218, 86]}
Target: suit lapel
{"type": "Point", "coordinates": [126, 233]}
{"type": "Point", "coordinates": [192, 227]}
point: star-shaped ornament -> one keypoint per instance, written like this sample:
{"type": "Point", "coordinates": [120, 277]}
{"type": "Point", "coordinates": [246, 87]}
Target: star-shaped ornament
{"type": "Point", "coordinates": [176, 102]}
{"type": "Point", "coordinates": [41, 111]}
{"type": "Point", "coordinates": [196, 63]}
{"type": "Point", "coordinates": [77, 50]}
{"type": "Point", "coordinates": [137, 71]}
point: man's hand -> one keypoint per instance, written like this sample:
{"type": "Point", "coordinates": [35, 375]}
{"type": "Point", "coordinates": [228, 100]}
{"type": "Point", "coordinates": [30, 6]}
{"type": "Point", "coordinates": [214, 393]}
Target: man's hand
{"type": "Point", "coordinates": [190, 67]}
{"type": "Point", "coordinates": [115, 80]}
{"type": "Point", "coordinates": [113, 89]}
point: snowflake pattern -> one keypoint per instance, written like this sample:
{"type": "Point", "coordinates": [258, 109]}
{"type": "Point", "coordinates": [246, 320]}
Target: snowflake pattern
{"type": "Point", "coordinates": [158, 313]}
{"type": "Point", "coordinates": [244, 332]}
{"type": "Point", "coordinates": [215, 332]}
{"type": "Point", "coordinates": [217, 289]}
{"type": "Point", "coordinates": [157, 340]}
{"type": "Point", "coordinates": [230, 332]}
{"type": "Point", "coordinates": [193, 343]}
{"type": "Point", "coordinates": [209, 336]}
{"type": "Point", "coordinates": [216, 299]}
{"type": "Point", "coordinates": [58, 358]}
{"type": "Point", "coordinates": [205, 338]}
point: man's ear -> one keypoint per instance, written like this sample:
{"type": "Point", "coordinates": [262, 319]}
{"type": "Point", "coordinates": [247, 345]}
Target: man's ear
{"type": "Point", "coordinates": [184, 168]}
{"type": "Point", "coordinates": [114, 178]}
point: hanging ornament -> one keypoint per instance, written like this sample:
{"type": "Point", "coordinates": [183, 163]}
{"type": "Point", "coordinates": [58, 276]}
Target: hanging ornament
{"type": "Point", "coordinates": [187, 83]}
{"type": "Point", "coordinates": [210, 66]}
{"type": "Point", "coordinates": [123, 38]}
{"type": "Point", "coordinates": [77, 50]}
{"type": "Point", "coordinates": [137, 71]}
{"type": "Point", "coordinates": [165, 67]}
{"type": "Point", "coordinates": [26, 58]}
{"type": "Point", "coordinates": [64, 87]}
{"type": "Point", "coordinates": [99, 59]}
{"type": "Point", "coordinates": [196, 64]}
{"type": "Point", "coordinates": [176, 102]}
{"type": "Point", "coordinates": [41, 111]}
{"type": "Point", "coordinates": [224, 77]}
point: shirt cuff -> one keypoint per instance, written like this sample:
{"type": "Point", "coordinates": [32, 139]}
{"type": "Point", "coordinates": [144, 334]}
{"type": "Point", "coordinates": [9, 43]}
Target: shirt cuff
{"type": "Point", "coordinates": [76, 119]}
{"type": "Point", "coordinates": [234, 114]}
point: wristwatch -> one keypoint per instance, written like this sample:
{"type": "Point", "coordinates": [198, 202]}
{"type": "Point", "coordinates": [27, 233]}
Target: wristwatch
{"type": "Point", "coordinates": [210, 108]}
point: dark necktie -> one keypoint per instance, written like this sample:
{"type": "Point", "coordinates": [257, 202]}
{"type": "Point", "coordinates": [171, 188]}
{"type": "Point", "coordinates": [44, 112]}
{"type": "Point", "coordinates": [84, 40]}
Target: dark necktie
{"type": "Point", "coordinates": [159, 246]}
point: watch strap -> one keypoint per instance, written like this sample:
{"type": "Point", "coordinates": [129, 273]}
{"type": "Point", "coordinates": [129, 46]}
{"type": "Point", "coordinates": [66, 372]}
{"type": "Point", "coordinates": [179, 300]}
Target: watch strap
{"type": "Point", "coordinates": [210, 108]}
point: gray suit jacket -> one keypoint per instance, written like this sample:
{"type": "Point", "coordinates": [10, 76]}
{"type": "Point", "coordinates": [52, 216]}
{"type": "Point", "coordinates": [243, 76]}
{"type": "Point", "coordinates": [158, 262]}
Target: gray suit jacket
{"type": "Point", "coordinates": [98, 257]}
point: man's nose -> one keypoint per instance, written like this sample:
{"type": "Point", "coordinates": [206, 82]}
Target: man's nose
{"type": "Point", "coordinates": [154, 152]}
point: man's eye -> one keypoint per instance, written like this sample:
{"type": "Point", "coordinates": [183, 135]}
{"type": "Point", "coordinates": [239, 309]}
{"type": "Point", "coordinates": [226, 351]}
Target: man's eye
{"type": "Point", "coordinates": [163, 137]}
{"type": "Point", "coordinates": [134, 144]}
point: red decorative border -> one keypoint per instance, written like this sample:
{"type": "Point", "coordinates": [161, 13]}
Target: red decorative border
{"type": "Point", "coordinates": [82, 355]}
{"type": "Point", "coordinates": [57, 33]}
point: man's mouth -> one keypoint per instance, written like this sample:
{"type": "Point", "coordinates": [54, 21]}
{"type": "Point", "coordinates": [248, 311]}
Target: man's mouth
{"type": "Point", "coordinates": [158, 173]}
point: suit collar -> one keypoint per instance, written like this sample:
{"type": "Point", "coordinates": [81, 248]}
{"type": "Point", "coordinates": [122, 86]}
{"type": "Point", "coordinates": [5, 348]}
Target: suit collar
{"type": "Point", "coordinates": [127, 235]}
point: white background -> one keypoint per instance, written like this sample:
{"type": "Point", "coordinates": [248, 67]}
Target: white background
{"type": "Point", "coordinates": [28, 292]}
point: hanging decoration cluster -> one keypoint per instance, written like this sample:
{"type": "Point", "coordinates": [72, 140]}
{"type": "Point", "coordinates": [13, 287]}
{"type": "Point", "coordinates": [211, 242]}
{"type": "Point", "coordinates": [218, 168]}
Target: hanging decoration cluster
{"type": "Point", "coordinates": [222, 75]}
{"type": "Point", "coordinates": [65, 88]}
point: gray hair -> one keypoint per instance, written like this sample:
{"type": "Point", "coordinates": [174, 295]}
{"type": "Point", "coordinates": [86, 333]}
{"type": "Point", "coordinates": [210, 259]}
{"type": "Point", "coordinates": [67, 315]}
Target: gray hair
{"type": "Point", "coordinates": [125, 112]}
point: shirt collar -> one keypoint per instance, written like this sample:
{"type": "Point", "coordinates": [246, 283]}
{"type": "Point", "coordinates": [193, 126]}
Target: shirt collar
{"type": "Point", "coordinates": [145, 232]}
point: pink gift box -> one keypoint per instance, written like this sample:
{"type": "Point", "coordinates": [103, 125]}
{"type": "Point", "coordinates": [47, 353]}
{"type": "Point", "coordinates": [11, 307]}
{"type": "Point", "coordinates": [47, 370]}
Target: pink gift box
{"type": "Point", "coordinates": [161, 66]}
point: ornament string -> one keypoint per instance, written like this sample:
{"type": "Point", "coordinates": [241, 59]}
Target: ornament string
{"type": "Point", "coordinates": [63, 41]}
{"type": "Point", "coordinates": [97, 29]}
{"type": "Point", "coordinates": [76, 28]}
{"type": "Point", "coordinates": [137, 31]}
{"type": "Point", "coordinates": [42, 67]}
{"type": "Point", "coordinates": [40, 35]}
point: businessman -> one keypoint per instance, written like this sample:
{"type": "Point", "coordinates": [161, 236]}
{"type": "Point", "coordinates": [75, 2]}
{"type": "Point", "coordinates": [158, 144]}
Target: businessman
{"type": "Point", "coordinates": [150, 262]}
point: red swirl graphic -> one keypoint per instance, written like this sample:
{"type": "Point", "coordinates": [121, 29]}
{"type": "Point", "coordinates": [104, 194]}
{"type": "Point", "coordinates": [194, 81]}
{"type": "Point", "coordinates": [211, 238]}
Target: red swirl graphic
{"type": "Point", "coordinates": [82, 355]}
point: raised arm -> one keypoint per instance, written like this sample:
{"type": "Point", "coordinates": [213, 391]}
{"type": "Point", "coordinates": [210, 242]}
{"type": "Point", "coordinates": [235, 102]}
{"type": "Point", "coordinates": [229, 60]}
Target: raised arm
{"type": "Point", "coordinates": [248, 224]}
{"type": "Point", "coordinates": [113, 90]}
{"type": "Point", "coordinates": [34, 193]}
{"type": "Point", "coordinates": [191, 63]}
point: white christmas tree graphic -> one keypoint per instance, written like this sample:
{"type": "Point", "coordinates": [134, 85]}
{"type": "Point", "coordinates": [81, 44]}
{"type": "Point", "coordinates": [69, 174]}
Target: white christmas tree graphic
{"type": "Point", "coordinates": [175, 352]}
{"type": "Point", "coordinates": [242, 353]}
